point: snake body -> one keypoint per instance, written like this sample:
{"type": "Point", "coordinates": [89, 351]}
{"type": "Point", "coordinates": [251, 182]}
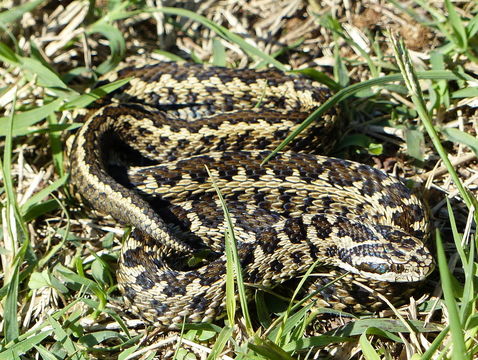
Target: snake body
{"type": "Point", "coordinates": [142, 156]}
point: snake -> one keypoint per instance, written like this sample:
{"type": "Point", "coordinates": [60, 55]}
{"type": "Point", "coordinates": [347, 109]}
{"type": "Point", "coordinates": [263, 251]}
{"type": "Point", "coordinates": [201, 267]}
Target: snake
{"type": "Point", "coordinates": [149, 153]}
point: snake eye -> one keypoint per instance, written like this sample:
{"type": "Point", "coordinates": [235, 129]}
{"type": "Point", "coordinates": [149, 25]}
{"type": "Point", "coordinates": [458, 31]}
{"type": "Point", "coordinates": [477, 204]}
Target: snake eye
{"type": "Point", "coordinates": [398, 268]}
{"type": "Point", "coordinates": [374, 268]}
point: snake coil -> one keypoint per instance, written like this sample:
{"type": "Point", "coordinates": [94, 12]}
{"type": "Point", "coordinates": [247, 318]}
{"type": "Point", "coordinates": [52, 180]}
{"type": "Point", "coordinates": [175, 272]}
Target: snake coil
{"type": "Point", "coordinates": [141, 158]}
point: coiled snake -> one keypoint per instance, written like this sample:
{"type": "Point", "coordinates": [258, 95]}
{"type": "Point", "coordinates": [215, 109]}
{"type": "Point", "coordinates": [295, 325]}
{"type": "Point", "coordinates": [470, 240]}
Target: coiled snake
{"type": "Point", "coordinates": [141, 158]}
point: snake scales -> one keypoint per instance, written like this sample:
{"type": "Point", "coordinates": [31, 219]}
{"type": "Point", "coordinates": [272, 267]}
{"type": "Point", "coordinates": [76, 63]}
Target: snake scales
{"type": "Point", "coordinates": [141, 157]}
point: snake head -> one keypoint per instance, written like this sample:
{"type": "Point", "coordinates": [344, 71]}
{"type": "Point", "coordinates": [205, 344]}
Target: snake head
{"type": "Point", "coordinates": [417, 268]}
{"type": "Point", "coordinates": [394, 257]}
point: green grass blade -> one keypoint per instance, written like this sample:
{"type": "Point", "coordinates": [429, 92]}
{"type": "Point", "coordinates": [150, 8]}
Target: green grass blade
{"type": "Point", "coordinates": [11, 201]}
{"type": "Point", "coordinates": [469, 292]}
{"type": "Point", "coordinates": [218, 53]}
{"type": "Point", "coordinates": [116, 44]}
{"type": "Point", "coordinates": [415, 143]}
{"type": "Point", "coordinates": [11, 328]}
{"type": "Point", "coordinates": [44, 353]}
{"type": "Point", "coordinates": [43, 193]}
{"type": "Point", "coordinates": [40, 209]}
{"type": "Point", "coordinates": [8, 56]}
{"type": "Point", "coordinates": [459, 348]}
{"type": "Point", "coordinates": [46, 77]}
{"type": "Point", "coordinates": [367, 349]}
{"type": "Point", "coordinates": [220, 342]}
{"type": "Point", "coordinates": [341, 74]}
{"type": "Point", "coordinates": [462, 137]}
{"type": "Point", "coordinates": [262, 310]}
{"type": "Point", "coordinates": [231, 244]}
{"type": "Point", "coordinates": [23, 346]}
{"type": "Point", "coordinates": [275, 333]}
{"type": "Point", "coordinates": [82, 101]}
{"type": "Point", "coordinates": [320, 77]}
{"type": "Point", "coordinates": [269, 350]}
{"type": "Point", "coordinates": [461, 38]}
{"type": "Point", "coordinates": [62, 336]}
{"type": "Point", "coordinates": [95, 338]}
{"type": "Point", "coordinates": [435, 345]}
{"type": "Point", "coordinates": [314, 341]}
{"type": "Point", "coordinates": [456, 235]}
{"type": "Point", "coordinates": [14, 257]}
{"type": "Point", "coordinates": [336, 27]}
{"type": "Point", "coordinates": [472, 27]}
{"type": "Point", "coordinates": [17, 12]}
{"type": "Point", "coordinates": [56, 145]}
{"type": "Point", "coordinates": [43, 74]}
{"type": "Point", "coordinates": [440, 91]}
{"type": "Point", "coordinates": [230, 283]}
{"type": "Point", "coordinates": [359, 326]}
{"type": "Point", "coordinates": [78, 279]}
{"type": "Point", "coordinates": [125, 354]}
{"type": "Point", "coordinates": [169, 56]}
{"type": "Point", "coordinates": [28, 118]}
{"type": "Point", "coordinates": [181, 337]}
{"type": "Point", "coordinates": [468, 92]}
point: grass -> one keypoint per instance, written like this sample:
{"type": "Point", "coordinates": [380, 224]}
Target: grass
{"type": "Point", "coordinates": [58, 295]}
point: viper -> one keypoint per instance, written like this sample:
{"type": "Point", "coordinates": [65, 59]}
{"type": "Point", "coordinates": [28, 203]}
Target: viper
{"type": "Point", "coordinates": [143, 155]}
